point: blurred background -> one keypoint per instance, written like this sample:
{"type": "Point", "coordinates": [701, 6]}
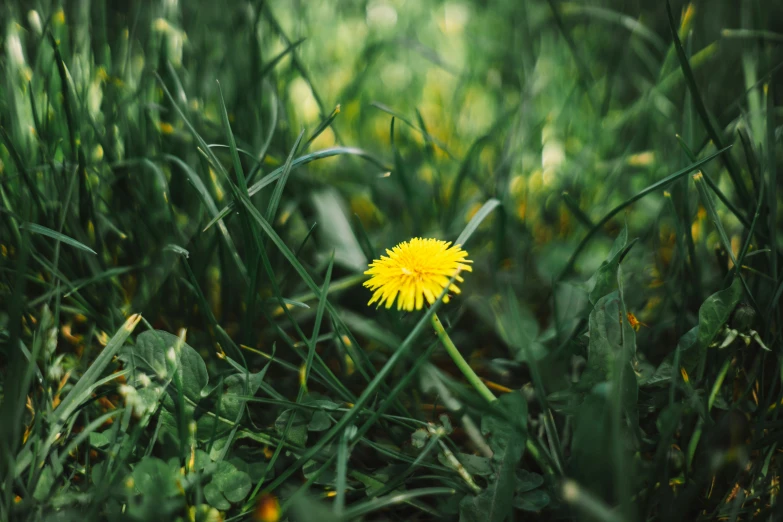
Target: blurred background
{"type": "Point", "coordinates": [565, 113]}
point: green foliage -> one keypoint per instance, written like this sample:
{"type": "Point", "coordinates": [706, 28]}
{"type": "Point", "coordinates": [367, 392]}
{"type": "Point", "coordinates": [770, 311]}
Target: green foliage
{"type": "Point", "coordinates": [190, 193]}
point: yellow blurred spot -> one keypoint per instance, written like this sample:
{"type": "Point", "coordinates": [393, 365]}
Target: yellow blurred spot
{"type": "Point", "coordinates": [268, 452]}
{"type": "Point", "coordinates": [267, 509]}
{"type": "Point", "coordinates": [303, 376]}
{"type": "Point", "coordinates": [735, 248]}
{"type": "Point", "coordinates": [684, 374]}
{"type": "Point", "coordinates": [346, 340]}
{"type": "Point", "coordinates": [65, 330]}
{"type": "Point", "coordinates": [271, 161]}
{"type": "Point", "coordinates": [497, 387]}
{"type": "Point", "coordinates": [517, 185]}
{"type": "Point", "coordinates": [17, 499]}
{"type": "Point", "coordinates": [103, 338]}
{"type": "Point", "coordinates": [522, 210]}
{"type": "Point", "coordinates": [165, 127]}
{"type": "Point", "coordinates": [687, 17]}
{"type": "Point", "coordinates": [325, 140]}
{"type": "Point", "coordinates": [641, 159]}
{"type": "Point", "coordinates": [161, 25]}
{"type": "Point", "coordinates": [218, 191]}
{"type": "Point", "coordinates": [284, 217]}
{"type": "Point", "coordinates": [4, 250]}
{"type": "Point", "coordinates": [349, 366]}
{"type": "Point", "coordinates": [667, 194]}
{"type": "Point", "coordinates": [59, 17]}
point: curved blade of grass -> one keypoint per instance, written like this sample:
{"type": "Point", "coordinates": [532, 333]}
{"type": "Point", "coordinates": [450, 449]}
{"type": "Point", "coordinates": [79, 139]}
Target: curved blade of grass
{"type": "Point", "coordinates": [734, 210]}
{"type": "Point", "coordinates": [701, 109]}
{"type": "Point", "coordinates": [390, 500]}
{"type": "Point", "coordinates": [38, 229]}
{"type": "Point", "coordinates": [609, 15]}
{"type": "Point", "coordinates": [274, 61]}
{"type": "Point", "coordinates": [326, 122]}
{"type": "Point", "coordinates": [710, 206]}
{"type": "Point", "coordinates": [752, 34]}
{"type": "Point", "coordinates": [473, 224]}
{"type": "Point", "coordinates": [240, 173]}
{"type": "Point", "coordinates": [652, 188]}
{"type": "Point", "coordinates": [208, 202]}
{"type": "Point", "coordinates": [302, 160]}
{"type": "Point", "coordinates": [277, 194]}
{"type": "Point", "coordinates": [578, 213]}
{"type": "Point", "coordinates": [399, 116]}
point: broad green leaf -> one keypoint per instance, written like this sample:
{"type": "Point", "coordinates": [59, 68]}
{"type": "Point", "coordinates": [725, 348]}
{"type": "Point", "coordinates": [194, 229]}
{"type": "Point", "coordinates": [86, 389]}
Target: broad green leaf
{"type": "Point", "coordinates": [44, 485]}
{"type": "Point", "coordinates": [532, 500]}
{"type": "Point", "coordinates": [715, 312]}
{"type": "Point", "coordinates": [606, 340]}
{"type": "Point", "coordinates": [154, 477]}
{"type": "Point", "coordinates": [234, 484]}
{"type": "Point", "coordinates": [605, 278]}
{"type": "Point", "coordinates": [319, 422]}
{"type": "Point", "coordinates": [519, 330]}
{"type": "Point", "coordinates": [330, 208]}
{"type": "Point", "coordinates": [527, 481]}
{"type": "Point", "coordinates": [151, 354]}
{"type": "Point", "coordinates": [215, 497]}
{"type": "Point", "coordinates": [297, 434]}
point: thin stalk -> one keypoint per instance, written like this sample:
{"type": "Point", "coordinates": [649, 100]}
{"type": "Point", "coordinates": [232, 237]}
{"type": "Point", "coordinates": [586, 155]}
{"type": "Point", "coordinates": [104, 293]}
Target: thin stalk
{"type": "Point", "coordinates": [460, 361]}
{"type": "Point", "coordinates": [532, 447]}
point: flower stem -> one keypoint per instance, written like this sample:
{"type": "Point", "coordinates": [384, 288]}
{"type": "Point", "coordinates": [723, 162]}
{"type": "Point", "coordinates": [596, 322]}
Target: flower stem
{"type": "Point", "coordinates": [531, 445]}
{"type": "Point", "coordinates": [460, 361]}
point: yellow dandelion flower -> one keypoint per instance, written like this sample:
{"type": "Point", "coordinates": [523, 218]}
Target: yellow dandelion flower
{"type": "Point", "coordinates": [416, 270]}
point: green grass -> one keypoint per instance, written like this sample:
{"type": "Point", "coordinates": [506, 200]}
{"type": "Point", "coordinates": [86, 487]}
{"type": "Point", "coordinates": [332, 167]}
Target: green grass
{"type": "Point", "coordinates": [190, 193]}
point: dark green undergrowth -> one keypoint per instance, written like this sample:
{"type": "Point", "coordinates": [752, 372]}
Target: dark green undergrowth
{"type": "Point", "coordinates": [190, 193]}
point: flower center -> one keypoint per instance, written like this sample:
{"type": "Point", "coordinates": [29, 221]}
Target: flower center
{"type": "Point", "coordinates": [411, 272]}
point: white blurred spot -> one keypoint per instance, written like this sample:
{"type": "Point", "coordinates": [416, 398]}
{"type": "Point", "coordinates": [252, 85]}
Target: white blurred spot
{"type": "Point", "coordinates": [381, 15]}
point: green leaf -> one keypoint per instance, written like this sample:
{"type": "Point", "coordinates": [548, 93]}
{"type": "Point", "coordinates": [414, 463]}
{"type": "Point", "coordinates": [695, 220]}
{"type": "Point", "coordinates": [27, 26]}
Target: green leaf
{"type": "Point", "coordinates": [605, 278]}
{"type": "Point", "coordinates": [527, 481]}
{"type": "Point", "coordinates": [150, 355]}
{"type": "Point", "coordinates": [532, 500]}
{"type": "Point", "coordinates": [232, 400]}
{"type": "Point", "coordinates": [319, 422]}
{"type": "Point", "coordinates": [519, 330]}
{"type": "Point", "coordinates": [234, 484]}
{"type": "Point", "coordinates": [38, 229]}
{"type": "Point", "coordinates": [297, 434]}
{"type": "Point", "coordinates": [507, 437]}
{"type": "Point", "coordinates": [715, 312]}
{"type": "Point", "coordinates": [606, 340]}
{"type": "Point", "coordinates": [44, 485]}
{"type": "Point", "coordinates": [215, 497]}
{"type": "Point", "coordinates": [154, 477]}
{"type": "Point", "coordinates": [473, 464]}
{"type": "Point", "coordinates": [476, 220]}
